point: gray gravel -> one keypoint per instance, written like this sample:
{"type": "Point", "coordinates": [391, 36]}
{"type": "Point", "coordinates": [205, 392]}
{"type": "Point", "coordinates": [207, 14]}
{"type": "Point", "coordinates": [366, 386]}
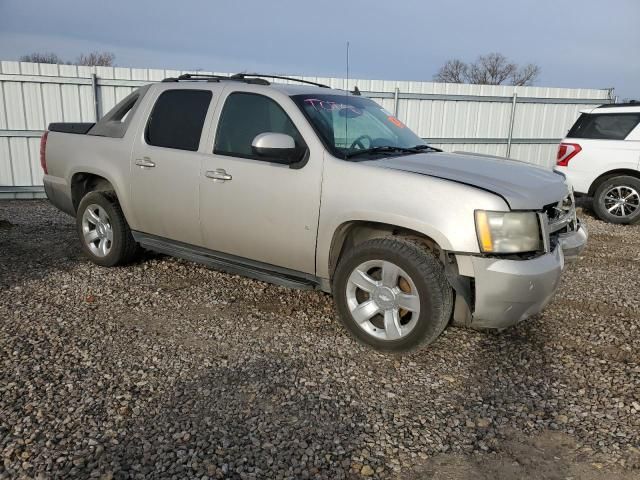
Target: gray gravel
{"type": "Point", "coordinates": [168, 369]}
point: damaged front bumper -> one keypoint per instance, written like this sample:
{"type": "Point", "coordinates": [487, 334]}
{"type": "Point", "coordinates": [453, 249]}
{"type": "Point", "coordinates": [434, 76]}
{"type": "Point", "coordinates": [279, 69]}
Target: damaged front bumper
{"type": "Point", "coordinates": [508, 291]}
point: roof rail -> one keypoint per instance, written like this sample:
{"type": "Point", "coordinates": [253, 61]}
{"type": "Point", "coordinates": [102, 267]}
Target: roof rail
{"type": "Point", "coordinates": [254, 78]}
{"type": "Point", "coordinates": [213, 78]}
{"type": "Point", "coordinates": [630, 103]}
{"type": "Point", "coordinates": [243, 76]}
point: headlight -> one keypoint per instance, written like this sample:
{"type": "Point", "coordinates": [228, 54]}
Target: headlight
{"type": "Point", "coordinates": [508, 232]}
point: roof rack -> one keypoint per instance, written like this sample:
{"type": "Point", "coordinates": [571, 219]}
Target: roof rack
{"type": "Point", "coordinates": [254, 78]}
{"type": "Point", "coordinates": [630, 103]}
{"type": "Point", "coordinates": [213, 78]}
{"type": "Point", "coordinates": [242, 76]}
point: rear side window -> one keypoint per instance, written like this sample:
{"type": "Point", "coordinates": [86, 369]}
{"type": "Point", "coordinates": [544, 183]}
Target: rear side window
{"type": "Point", "coordinates": [604, 126]}
{"type": "Point", "coordinates": [246, 115]}
{"type": "Point", "coordinates": [177, 119]}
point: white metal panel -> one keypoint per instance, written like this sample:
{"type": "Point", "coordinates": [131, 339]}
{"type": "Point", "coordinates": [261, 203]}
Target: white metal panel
{"type": "Point", "coordinates": [33, 145]}
{"type": "Point", "coordinates": [3, 108]}
{"type": "Point", "coordinates": [71, 103]}
{"type": "Point", "coordinates": [52, 103]}
{"type": "Point", "coordinates": [21, 169]}
{"type": "Point", "coordinates": [14, 106]}
{"type": "Point", "coordinates": [85, 94]}
{"type": "Point", "coordinates": [34, 111]}
{"type": "Point", "coordinates": [6, 165]}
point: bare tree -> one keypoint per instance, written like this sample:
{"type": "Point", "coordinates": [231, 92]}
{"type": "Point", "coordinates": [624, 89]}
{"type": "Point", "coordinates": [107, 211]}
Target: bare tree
{"type": "Point", "coordinates": [36, 57]}
{"type": "Point", "coordinates": [454, 71]}
{"type": "Point", "coordinates": [526, 75]}
{"type": "Point", "coordinates": [490, 69]}
{"type": "Point", "coordinates": [99, 59]}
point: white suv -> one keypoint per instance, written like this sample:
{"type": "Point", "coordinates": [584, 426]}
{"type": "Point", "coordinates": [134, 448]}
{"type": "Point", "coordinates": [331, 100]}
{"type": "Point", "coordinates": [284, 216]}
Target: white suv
{"type": "Point", "coordinates": [601, 158]}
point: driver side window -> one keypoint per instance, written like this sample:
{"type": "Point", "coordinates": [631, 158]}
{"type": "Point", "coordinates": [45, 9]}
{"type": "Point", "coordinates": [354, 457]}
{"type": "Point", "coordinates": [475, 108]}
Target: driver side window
{"type": "Point", "coordinates": [246, 115]}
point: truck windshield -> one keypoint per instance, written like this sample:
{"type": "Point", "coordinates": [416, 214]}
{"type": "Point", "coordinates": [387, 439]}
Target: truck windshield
{"type": "Point", "coordinates": [354, 127]}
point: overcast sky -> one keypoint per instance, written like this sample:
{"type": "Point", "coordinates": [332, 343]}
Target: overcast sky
{"type": "Point", "coordinates": [577, 43]}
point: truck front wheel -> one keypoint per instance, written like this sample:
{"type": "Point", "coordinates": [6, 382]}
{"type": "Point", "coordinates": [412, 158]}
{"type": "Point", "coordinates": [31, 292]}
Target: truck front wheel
{"type": "Point", "coordinates": [104, 233]}
{"type": "Point", "coordinates": [392, 294]}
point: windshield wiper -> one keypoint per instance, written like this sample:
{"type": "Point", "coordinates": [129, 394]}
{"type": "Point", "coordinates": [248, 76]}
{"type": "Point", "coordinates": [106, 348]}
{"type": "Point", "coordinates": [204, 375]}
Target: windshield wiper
{"type": "Point", "coordinates": [425, 147]}
{"type": "Point", "coordinates": [380, 149]}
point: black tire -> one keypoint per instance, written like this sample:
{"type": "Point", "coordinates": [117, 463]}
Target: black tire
{"type": "Point", "coordinates": [427, 274]}
{"type": "Point", "coordinates": [123, 247]}
{"type": "Point", "coordinates": [601, 207]}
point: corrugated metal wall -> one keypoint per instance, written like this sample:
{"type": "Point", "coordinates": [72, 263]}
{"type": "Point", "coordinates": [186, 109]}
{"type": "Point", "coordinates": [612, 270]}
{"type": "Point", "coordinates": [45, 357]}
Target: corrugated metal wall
{"type": "Point", "coordinates": [475, 118]}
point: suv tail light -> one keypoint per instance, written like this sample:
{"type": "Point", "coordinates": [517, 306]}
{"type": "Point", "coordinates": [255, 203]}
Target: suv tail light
{"type": "Point", "coordinates": [566, 151]}
{"type": "Point", "coordinates": [43, 151]}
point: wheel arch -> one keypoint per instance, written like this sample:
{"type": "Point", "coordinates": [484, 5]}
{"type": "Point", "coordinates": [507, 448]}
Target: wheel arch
{"type": "Point", "coordinates": [610, 174]}
{"type": "Point", "coordinates": [354, 232]}
{"type": "Point", "coordinates": [83, 182]}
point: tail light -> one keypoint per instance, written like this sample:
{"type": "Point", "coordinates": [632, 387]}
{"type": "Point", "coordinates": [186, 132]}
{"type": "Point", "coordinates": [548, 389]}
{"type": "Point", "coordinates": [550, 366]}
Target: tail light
{"type": "Point", "coordinates": [43, 151]}
{"type": "Point", "coordinates": [566, 151]}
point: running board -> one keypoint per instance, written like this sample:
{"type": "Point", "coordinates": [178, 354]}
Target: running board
{"type": "Point", "coordinates": [228, 263]}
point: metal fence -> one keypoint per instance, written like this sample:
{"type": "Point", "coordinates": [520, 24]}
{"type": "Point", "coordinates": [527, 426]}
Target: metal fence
{"type": "Point", "coordinates": [524, 123]}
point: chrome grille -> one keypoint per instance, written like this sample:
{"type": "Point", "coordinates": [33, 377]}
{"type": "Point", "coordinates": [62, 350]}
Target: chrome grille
{"type": "Point", "coordinates": [558, 218]}
{"type": "Point", "coordinates": [561, 216]}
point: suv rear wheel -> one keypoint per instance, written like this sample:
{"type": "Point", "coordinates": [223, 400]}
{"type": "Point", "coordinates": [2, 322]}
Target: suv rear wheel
{"type": "Point", "coordinates": [392, 294]}
{"type": "Point", "coordinates": [617, 200]}
{"type": "Point", "coordinates": [104, 233]}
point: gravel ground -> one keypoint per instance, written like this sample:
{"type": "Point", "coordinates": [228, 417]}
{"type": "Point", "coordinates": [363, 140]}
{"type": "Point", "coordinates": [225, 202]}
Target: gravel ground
{"type": "Point", "coordinates": [168, 369]}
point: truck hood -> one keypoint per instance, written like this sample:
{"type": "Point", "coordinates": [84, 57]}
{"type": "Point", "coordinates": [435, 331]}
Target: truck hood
{"type": "Point", "coordinates": [523, 186]}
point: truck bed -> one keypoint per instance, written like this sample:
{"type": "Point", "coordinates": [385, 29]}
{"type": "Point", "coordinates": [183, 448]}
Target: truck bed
{"type": "Point", "coordinates": [68, 127]}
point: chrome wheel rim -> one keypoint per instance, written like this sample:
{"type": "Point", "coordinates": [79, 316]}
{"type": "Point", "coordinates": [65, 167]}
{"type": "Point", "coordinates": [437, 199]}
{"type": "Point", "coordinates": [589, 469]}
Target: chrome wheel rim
{"type": "Point", "coordinates": [383, 300]}
{"type": "Point", "coordinates": [622, 201]}
{"type": "Point", "coordinates": [97, 231]}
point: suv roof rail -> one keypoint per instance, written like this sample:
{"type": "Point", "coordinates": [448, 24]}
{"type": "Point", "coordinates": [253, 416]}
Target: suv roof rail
{"type": "Point", "coordinates": [243, 76]}
{"type": "Point", "coordinates": [630, 103]}
{"type": "Point", "coordinates": [213, 78]}
{"type": "Point", "coordinates": [254, 78]}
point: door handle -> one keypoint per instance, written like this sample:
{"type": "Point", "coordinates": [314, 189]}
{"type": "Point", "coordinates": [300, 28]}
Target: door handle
{"type": "Point", "coordinates": [145, 162]}
{"type": "Point", "coordinates": [218, 174]}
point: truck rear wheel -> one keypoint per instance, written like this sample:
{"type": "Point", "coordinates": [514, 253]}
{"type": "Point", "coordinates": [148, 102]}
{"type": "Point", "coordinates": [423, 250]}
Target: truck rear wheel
{"type": "Point", "coordinates": [392, 294]}
{"type": "Point", "coordinates": [617, 200]}
{"type": "Point", "coordinates": [104, 233]}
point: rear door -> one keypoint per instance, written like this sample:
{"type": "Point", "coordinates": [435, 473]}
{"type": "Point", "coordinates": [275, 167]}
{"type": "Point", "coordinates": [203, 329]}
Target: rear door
{"type": "Point", "coordinates": [165, 163]}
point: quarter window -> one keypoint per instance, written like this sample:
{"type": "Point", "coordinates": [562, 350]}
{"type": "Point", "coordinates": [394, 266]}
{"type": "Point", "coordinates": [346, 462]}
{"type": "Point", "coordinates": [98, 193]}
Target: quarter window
{"type": "Point", "coordinates": [604, 126]}
{"type": "Point", "coordinates": [177, 119]}
{"type": "Point", "coordinates": [246, 115]}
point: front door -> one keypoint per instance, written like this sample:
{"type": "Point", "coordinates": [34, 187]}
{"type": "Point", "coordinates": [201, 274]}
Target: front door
{"type": "Point", "coordinates": [166, 164]}
{"type": "Point", "coordinates": [253, 208]}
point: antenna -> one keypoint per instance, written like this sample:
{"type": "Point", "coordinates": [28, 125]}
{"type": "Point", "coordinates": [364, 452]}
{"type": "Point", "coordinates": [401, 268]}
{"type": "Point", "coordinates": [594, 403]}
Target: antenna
{"type": "Point", "coordinates": [346, 118]}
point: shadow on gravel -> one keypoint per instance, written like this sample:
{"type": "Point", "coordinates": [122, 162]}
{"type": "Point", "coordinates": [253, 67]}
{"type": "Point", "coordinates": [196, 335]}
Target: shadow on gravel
{"type": "Point", "coordinates": [33, 250]}
{"type": "Point", "coordinates": [230, 422]}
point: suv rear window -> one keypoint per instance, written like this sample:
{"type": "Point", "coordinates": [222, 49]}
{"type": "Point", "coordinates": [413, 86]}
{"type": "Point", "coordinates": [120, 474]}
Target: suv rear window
{"type": "Point", "coordinates": [604, 126]}
{"type": "Point", "coordinates": [177, 119]}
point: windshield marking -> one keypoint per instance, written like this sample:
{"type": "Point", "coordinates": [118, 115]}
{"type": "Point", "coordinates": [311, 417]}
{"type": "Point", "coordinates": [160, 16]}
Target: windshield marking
{"type": "Point", "coordinates": [395, 121]}
{"type": "Point", "coordinates": [331, 106]}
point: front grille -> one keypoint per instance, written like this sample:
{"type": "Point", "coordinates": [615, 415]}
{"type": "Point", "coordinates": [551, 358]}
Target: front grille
{"type": "Point", "coordinates": [560, 218]}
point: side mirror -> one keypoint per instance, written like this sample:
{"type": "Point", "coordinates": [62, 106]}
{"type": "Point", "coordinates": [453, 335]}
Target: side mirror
{"type": "Point", "coordinates": [276, 147]}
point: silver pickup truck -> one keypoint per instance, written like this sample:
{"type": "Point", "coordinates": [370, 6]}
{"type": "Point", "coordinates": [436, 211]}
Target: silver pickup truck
{"type": "Point", "coordinates": [310, 187]}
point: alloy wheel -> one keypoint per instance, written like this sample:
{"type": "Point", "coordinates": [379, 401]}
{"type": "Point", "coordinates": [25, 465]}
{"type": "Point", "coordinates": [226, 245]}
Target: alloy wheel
{"type": "Point", "coordinates": [622, 201]}
{"type": "Point", "coordinates": [97, 230]}
{"type": "Point", "coordinates": [383, 299]}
